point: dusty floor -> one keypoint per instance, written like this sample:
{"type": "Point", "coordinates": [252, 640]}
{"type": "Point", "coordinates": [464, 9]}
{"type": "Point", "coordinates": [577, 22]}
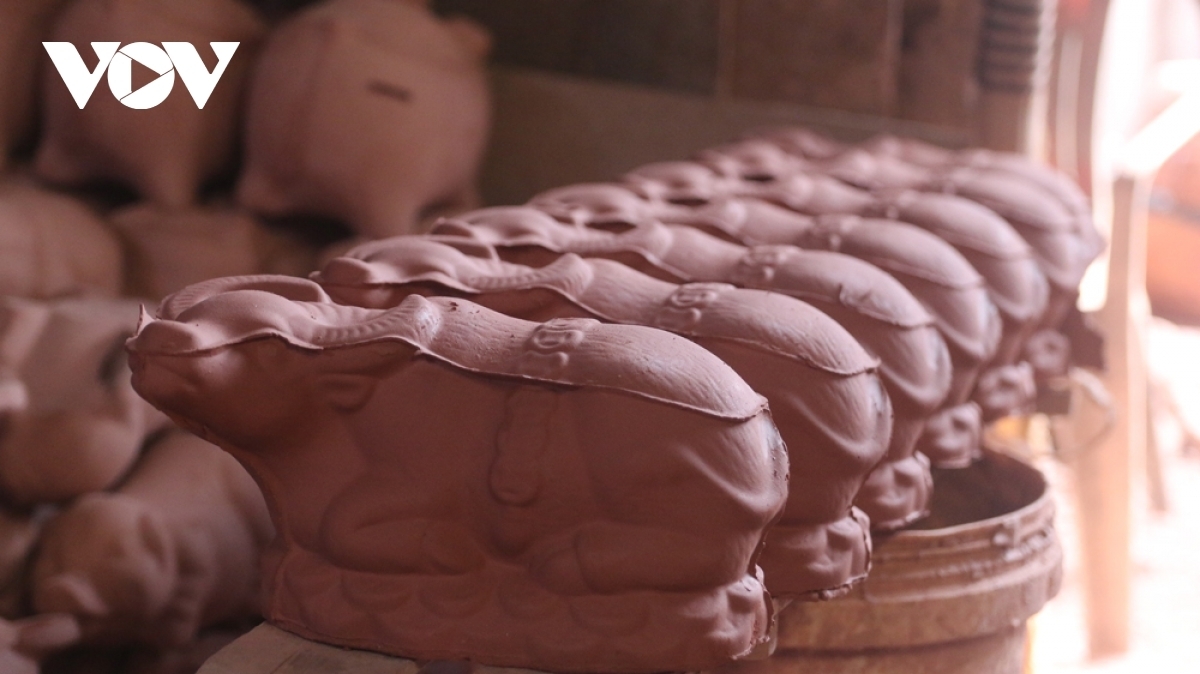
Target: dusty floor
{"type": "Point", "coordinates": [1165, 635]}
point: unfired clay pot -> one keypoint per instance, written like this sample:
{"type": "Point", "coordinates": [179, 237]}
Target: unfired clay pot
{"type": "Point", "coordinates": [174, 549]}
{"type": "Point", "coordinates": [23, 26]}
{"type": "Point", "coordinates": [73, 424]}
{"type": "Point", "coordinates": [824, 393]}
{"type": "Point", "coordinates": [164, 153]}
{"type": "Point", "coordinates": [870, 304]}
{"type": "Point", "coordinates": [371, 112]}
{"type": "Point", "coordinates": [936, 274]}
{"type": "Point", "coordinates": [449, 482]}
{"type": "Point", "coordinates": [54, 246]}
{"type": "Point", "coordinates": [167, 250]}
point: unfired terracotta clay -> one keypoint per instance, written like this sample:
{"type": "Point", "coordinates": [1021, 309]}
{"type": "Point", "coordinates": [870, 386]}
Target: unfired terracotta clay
{"type": "Point", "coordinates": [871, 305]}
{"type": "Point", "coordinates": [167, 250]}
{"type": "Point", "coordinates": [449, 482]}
{"type": "Point", "coordinates": [18, 533]}
{"type": "Point", "coordinates": [23, 26]}
{"type": "Point", "coordinates": [761, 170]}
{"type": "Point", "coordinates": [914, 151]}
{"type": "Point", "coordinates": [937, 275]}
{"type": "Point", "coordinates": [53, 246]}
{"type": "Point", "coordinates": [368, 111]}
{"type": "Point", "coordinates": [824, 394]}
{"type": "Point", "coordinates": [167, 152]}
{"type": "Point", "coordinates": [174, 549]}
{"type": "Point", "coordinates": [25, 643]}
{"type": "Point", "coordinates": [1051, 218]}
{"type": "Point", "coordinates": [73, 424]}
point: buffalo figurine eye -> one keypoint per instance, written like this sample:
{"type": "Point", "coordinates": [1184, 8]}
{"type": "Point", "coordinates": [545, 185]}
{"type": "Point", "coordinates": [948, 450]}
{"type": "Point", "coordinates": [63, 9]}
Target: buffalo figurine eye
{"type": "Point", "coordinates": [393, 91]}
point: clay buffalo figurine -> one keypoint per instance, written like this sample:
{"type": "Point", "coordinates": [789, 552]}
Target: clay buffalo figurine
{"type": "Point", "coordinates": [174, 549]}
{"type": "Point", "coordinates": [872, 306]}
{"type": "Point", "coordinates": [167, 151]}
{"type": "Point", "coordinates": [1062, 236]}
{"type": "Point", "coordinates": [824, 394]}
{"type": "Point", "coordinates": [371, 112]}
{"type": "Point", "coordinates": [73, 424]}
{"type": "Point", "coordinates": [449, 482]}
{"type": "Point", "coordinates": [762, 171]}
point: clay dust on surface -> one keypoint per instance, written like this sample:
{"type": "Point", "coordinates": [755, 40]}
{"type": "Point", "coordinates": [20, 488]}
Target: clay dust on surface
{"type": "Point", "coordinates": [1165, 621]}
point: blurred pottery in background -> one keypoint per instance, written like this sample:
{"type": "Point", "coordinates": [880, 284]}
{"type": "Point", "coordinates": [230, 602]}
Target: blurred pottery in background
{"type": "Point", "coordinates": [167, 250]}
{"type": "Point", "coordinates": [371, 112]}
{"type": "Point", "coordinates": [73, 423]}
{"type": "Point", "coordinates": [23, 26]}
{"type": "Point", "coordinates": [174, 549]}
{"type": "Point", "coordinates": [52, 245]}
{"type": "Point", "coordinates": [167, 152]}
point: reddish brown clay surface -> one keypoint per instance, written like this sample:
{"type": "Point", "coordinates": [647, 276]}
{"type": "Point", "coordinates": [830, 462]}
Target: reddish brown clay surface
{"type": "Point", "coordinates": [763, 170]}
{"type": "Point", "coordinates": [825, 395]}
{"type": "Point", "coordinates": [73, 423]}
{"type": "Point", "coordinates": [449, 482]}
{"type": "Point", "coordinates": [367, 111]}
{"type": "Point", "coordinates": [166, 152]}
{"type": "Point", "coordinates": [23, 26]}
{"type": "Point", "coordinates": [53, 246]}
{"type": "Point", "coordinates": [951, 596]}
{"type": "Point", "coordinates": [870, 304]}
{"type": "Point", "coordinates": [167, 249]}
{"type": "Point", "coordinates": [174, 549]}
{"type": "Point", "coordinates": [934, 272]}
{"type": "Point", "coordinates": [1050, 214]}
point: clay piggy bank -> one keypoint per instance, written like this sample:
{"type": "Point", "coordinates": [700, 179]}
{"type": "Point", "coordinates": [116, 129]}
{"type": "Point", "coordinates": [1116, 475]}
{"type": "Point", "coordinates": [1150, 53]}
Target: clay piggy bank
{"type": "Point", "coordinates": [371, 112]}
{"type": "Point", "coordinates": [825, 396]}
{"type": "Point", "coordinates": [174, 549]}
{"type": "Point", "coordinates": [73, 424]}
{"type": "Point", "coordinates": [23, 25]}
{"type": "Point", "coordinates": [53, 246]}
{"type": "Point", "coordinates": [165, 149]}
{"type": "Point", "coordinates": [170, 249]}
{"type": "Point", "coordinates": [449, 482]}
{"type": "Point", "coordinates": [871, 305]}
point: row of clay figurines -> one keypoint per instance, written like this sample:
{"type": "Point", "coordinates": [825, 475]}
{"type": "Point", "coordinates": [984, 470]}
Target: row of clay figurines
{"type": "Point", "coordinates": [754, 192]}
{"type": "Point", "coordinates": [474, 447]}
{"type": "Point", "coordinates": [372, 112]}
